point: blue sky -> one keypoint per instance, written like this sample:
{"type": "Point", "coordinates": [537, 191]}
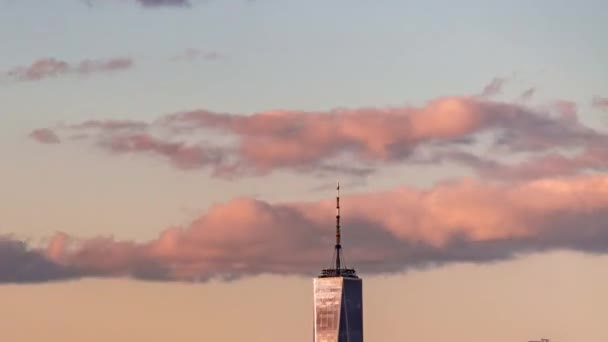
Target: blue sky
{"type": "Point", "coordinates": [304, 55]}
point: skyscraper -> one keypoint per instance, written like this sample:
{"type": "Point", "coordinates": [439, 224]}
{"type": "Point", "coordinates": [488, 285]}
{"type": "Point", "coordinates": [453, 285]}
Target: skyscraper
{"type": "Point", "coordinates": [338, 298]}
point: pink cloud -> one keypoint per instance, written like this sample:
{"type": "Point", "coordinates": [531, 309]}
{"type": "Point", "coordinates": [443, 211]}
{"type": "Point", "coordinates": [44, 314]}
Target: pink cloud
{"type": "Point", "coordinates": [464, 221]}
{"type": "Point", "coordinates": [362, 138]}
{"type": "Point", "coordinates": [592, 158]}
{"type": "Point", "coordinates": [51, 67]}
{"type": "Point", "coordinates": [180, 154]}
{"type": "Point", "coordinates": [111, 125]}
{"type": "Point", "coordinates": [600, 102]}
{"type": "Point", "coordinates": [91, 66]}
{"type": "Point", "coordinates": [45, 136]}
{"type": "Point", "coordinates": [549, 165]}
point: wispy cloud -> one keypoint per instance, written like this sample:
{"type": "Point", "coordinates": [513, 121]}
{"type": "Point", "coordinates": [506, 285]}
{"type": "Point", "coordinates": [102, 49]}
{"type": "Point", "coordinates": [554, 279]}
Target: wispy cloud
{"type": "Point", "coordinates": [494, 87]}
{"type": "Point", "coordinates": [465, 221]}
{"type": "Point", "coordinates": [179, 153]}
{"type": "Point", "coordinates": [164, 3]}
{"type": "Point", "coordinates": [528, 94]}
{"type": "Point", "coordinates": [52, 67]}
{"type": "Point", "coordinates": [45, 136]}
{"type": "Point", "coordinates": [193, 54]}
{"type": "Point", "coordinates": [600, 102]}
{"type": "Point", "coordinates": [363, 138]}
{"type": "Point", "coordinates": [553, 164]}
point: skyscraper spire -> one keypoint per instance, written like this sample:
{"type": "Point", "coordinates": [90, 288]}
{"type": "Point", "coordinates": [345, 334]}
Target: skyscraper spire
{"type": "Point", "coordinates": [338, 245]}
{"type": "Point", "coordinates": [338, 297]}
{"type": "Point", "coordinates": [338, 267]}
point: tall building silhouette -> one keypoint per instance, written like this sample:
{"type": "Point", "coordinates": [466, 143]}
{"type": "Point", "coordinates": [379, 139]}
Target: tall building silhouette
{"type": "Point", "coordinates": [338, 298]}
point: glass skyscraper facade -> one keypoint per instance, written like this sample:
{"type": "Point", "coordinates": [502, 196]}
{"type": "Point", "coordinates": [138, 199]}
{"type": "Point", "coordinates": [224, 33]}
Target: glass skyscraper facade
{"type": "Point", "coordinates": [338, 312]}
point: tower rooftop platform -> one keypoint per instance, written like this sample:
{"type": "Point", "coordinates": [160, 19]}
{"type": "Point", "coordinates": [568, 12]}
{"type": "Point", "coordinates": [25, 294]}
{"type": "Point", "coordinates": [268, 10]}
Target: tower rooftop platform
{"type": "Point", "coordinates": [343, 272]}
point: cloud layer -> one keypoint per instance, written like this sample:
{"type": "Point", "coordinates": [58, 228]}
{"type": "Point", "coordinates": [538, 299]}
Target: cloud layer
{"type": "Point", "coordinates": [465, 221]}
{"type": "Point", "coordinates": [445, 129]}
{"type": "Point", "coordinates": [537, 190]}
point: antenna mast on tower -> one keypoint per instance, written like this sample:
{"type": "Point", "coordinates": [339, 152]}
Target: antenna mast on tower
{"type": "Point", "coordinates": [338, 245]}
{"type": "Point", "coordinates": [338, 269]}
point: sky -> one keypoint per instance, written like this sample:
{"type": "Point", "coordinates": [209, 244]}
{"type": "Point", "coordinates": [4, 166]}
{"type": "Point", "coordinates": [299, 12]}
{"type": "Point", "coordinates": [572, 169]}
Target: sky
{"type": "Point", "coordinates": [169, 166]}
